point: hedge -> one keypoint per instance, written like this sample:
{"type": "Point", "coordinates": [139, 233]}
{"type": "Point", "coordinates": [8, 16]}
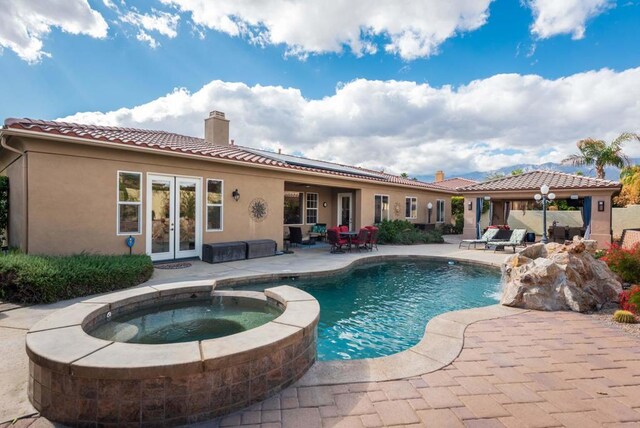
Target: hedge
{"type": "Point", "coordinates": [46, 279]}
{"type": "Point", "coordinates": [405, 232]}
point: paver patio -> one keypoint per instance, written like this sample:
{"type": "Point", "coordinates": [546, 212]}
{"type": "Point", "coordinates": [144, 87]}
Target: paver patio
{"type": "Point", "coordinates": [535, 369]}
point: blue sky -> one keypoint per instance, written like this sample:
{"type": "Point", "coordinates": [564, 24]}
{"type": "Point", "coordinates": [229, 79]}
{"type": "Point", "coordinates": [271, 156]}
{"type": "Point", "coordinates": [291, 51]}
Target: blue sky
{"type": "Point", "coordinates": [104, 61]}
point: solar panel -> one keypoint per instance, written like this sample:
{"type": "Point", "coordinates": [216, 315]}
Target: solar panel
{"type": "Point", "coordinates": [310, 163]}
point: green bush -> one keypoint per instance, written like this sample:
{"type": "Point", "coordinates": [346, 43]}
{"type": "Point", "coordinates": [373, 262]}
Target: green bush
{"type": "Point", "coordinates": [45, 279]}
{"type": "Point", "coordinates": [405, 232]}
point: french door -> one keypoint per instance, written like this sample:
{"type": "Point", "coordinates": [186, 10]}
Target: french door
{"type": "Point", "coordinates": [345, 210]}
{"type": "Point", "coordinates": [174, 210]}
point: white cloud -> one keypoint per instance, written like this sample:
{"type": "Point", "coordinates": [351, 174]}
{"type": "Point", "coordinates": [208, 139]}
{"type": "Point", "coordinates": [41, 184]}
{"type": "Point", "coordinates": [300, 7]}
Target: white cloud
{"type": "Point", "coordinates": [25, 23]}
{"type": "Point", "coordinates": [409, 127]}
{"type": "Point", "coordinates": [162, 22]}
{"type": "Point", "coordinates": [411, 28]}
{"type": "Point", "coordinates": [553, 17]}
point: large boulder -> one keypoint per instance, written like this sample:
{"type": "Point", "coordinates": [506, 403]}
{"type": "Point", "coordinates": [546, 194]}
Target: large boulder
{"type": "Point", "coordinates": [555, 277]}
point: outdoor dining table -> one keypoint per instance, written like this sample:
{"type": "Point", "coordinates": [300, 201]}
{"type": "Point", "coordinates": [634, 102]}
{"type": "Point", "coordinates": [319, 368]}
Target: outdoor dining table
{"type": "Point", "coordinates": [349, 235]}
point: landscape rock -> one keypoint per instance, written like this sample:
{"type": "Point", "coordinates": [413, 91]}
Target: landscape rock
{"type": "Point", "coordinates": [555, 277]}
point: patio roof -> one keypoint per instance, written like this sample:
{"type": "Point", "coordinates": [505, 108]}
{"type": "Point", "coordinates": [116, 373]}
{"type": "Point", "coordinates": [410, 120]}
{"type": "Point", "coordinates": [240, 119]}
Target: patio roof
{"type": "Point", "coordinates": [169, 142]}
{"type": "Point", "coordinates": [532, 181]}
{"type": "Point", "coordinates": [454, 183]}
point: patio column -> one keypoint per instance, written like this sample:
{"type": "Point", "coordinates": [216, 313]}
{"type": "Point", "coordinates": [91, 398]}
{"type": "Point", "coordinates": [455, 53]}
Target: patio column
{"type": "Point", "coordinates": [601, 220]}
{"type": "Point", "coordinates": [469, 230]}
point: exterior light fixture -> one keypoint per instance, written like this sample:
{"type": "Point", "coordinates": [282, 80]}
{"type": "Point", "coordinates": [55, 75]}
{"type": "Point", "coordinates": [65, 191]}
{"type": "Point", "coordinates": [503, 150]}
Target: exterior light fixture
{"type": "Point", "coordinates": [324, 204]}
{"type": "Point", "coordinates": [429, 208]}
{"type": "Point", "coordinates": [600, 206]}
{"type": "Point", "coordinates": [236, 195]}
{"type": "Point", "coordinates": [545, 197]}
{"type": "Point", "coordinates": [470, 205]}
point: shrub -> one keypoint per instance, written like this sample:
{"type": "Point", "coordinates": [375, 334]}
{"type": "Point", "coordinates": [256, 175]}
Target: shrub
{"type": "Point", "coordinates": [630, 299]}
{"type": "Point", "coordinates": [624, 317]}
{"type": "Point", "coordinates": [45, 279]}
{"type": "Point", "coordinates": [625, 263]}
{"type": "Point", "coordinates": [405, 232]}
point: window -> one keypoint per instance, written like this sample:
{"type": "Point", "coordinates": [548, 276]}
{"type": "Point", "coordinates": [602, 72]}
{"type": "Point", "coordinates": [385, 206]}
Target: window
{"type": "Point", "coordinates": [129, 202]}
{"type": "Point", "coordinates": [293, 207]}
{"type": "Point", "coordinates": [312, 208]}
{"type": "Point", "coordinates": [411, 207]}
{"type": "Point", "coordinates": [439, 211]}
{"type": "Point", "coordinates": [214, 205]}
{"type": "Point", "coordinates": [381, 208]}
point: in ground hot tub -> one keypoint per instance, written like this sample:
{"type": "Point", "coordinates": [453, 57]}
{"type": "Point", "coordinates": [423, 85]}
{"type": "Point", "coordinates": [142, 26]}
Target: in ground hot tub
{"type": "Point", "coordinates": [157, 355]}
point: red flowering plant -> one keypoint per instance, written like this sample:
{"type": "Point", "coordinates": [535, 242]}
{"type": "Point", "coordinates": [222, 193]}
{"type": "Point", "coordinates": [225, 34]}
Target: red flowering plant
{"type": "Point", "coordinates": [626, 263]}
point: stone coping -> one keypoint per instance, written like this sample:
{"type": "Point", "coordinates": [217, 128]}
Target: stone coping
{"type": "Point", "coordinates": [441, 344]}
{"type": "Point", "coordinates": [352, 264]}
{"type": "Point", "coordinates": [59, 341]}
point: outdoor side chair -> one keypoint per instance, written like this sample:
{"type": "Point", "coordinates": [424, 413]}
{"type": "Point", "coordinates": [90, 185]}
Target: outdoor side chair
{"type": "Point", "coordinates": [488, 235]}
{"type": "Point", "coordinates": [373, 237]}
{"type": "Point", "coordinates": [361, 240]}
{"type": "Point", "coordinates": [333, 236]}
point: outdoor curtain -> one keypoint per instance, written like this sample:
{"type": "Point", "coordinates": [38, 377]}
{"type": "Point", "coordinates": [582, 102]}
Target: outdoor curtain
{"type": "Point", "coordinates": [586, 216]}
{"type": "Point", "coordinates": [478, 217]}
{"type": "Point", "coordinates": [507, 211]}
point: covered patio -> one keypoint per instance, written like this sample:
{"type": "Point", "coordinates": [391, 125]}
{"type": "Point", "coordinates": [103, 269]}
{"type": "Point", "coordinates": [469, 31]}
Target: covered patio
{"type": "Point", "coordinates": [581, 206]}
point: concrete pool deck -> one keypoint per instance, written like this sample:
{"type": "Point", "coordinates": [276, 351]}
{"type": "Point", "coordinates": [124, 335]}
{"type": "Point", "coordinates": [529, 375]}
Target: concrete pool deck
{"type": "Point", "coordinates": [527, 369]}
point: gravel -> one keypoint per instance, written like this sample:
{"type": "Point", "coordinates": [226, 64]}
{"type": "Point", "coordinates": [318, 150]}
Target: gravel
{"type": "Point", "coordinates": [605, 317]}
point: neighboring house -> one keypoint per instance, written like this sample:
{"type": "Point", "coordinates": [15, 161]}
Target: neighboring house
{"type": "Point", "coordinates": [451, 183]}
{"type": "Point", "coordinates": [80, 188]}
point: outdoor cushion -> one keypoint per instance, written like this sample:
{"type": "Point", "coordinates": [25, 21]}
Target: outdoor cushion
{"type": "Point", "coordinates": [488, 235]}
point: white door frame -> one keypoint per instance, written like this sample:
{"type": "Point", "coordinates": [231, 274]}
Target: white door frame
{"type": "Point", "coordinates": [174, 216]}
{"type": "Point", "coordinates": [339, 204]}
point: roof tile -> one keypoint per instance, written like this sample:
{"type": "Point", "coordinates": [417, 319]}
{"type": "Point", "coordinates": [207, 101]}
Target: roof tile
{"type": "Point", "coordinates": [533, 180]}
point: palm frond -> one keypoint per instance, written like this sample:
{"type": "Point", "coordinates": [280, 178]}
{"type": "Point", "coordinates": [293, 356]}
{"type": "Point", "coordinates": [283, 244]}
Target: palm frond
{"type": "Point", "coordinates": [575, 160]}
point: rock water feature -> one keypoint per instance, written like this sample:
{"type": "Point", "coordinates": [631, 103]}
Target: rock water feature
{"type": "Point", "coordinates": [555, 277]}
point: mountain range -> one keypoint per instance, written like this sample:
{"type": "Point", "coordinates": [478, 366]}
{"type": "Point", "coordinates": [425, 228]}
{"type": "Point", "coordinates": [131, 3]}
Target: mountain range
{"type": "Point", "coordinates": [611, 173]}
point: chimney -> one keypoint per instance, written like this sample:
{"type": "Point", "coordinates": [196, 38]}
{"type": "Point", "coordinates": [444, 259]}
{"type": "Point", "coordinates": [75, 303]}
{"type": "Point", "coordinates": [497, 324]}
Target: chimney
{"type": "Point", "coordinates": [439, 176]}
{"type": "Point", "coordinates": [216, 129]}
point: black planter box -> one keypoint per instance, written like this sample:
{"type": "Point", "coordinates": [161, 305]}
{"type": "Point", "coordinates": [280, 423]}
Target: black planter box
{"type": "Point", "coordinates": [224, 252]}
{"type": "Point", "coordinates": [261, 248]}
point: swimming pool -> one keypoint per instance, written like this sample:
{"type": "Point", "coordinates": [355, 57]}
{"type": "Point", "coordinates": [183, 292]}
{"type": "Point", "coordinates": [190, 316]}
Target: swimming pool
{"type": "Point", "coordinates": [380, 309]}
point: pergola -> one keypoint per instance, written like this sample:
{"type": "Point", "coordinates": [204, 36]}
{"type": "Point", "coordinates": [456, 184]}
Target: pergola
{"type": "Point", "coordinates": [593, 197]}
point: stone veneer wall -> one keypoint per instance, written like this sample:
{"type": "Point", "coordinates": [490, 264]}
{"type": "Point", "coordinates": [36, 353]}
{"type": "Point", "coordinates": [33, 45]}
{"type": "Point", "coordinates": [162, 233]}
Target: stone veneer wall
{"type": "Point", "coordinates": [78, 401]}
{"type": "Point", "coordinates": [227, 374]}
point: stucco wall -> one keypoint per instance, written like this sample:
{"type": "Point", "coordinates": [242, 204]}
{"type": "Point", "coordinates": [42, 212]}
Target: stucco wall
{"type": "Point", "coordinates": [625, 218]}
{"type": "Point", "coordinates": [73, 197]}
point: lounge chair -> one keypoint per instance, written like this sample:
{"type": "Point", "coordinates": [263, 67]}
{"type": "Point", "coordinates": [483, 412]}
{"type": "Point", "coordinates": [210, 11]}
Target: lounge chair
{"type": "Point", "coordinates": [486, 237]}
{"type": "Point", "coordinates": [516, 240]}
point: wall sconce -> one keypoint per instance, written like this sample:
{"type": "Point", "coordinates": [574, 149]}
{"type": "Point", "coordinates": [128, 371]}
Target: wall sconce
{"type": "Point", "coordinates": [324, 204]}
{"type": "Point", "coordinates": [236, 195]}
{"type": "Point", "coordinates": [600, 205]}
{"type": "Point", "coordinates": [470, 205]}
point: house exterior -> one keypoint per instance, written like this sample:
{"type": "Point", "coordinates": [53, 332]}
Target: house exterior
{"type": "Point", "coordinates": [77, 188]}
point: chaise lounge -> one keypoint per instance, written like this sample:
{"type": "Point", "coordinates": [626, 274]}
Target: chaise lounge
{"type": "Point", "coordinates": [486, 237]}
{"type": "Point", "coordinates": [516, 240]}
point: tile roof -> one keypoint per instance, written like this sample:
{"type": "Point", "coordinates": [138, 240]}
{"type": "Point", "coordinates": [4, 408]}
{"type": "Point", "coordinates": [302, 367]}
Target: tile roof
{"type": "Point", "coordinates": [533, 180]}
{"type": "Point", "coordinates": [454, 183]}
{"type": "Point", "coordinates": [169, 142]}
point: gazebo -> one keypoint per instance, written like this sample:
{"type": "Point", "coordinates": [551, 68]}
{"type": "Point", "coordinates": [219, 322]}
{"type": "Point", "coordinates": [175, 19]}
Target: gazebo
{"type": "Point", "coordinates": [589, 198]}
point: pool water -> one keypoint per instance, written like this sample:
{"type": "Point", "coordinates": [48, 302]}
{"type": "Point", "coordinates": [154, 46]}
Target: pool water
{"type": "Point", "coordinates": [184, 322]}
{"type": "Point", "coordinates": [382, 309]}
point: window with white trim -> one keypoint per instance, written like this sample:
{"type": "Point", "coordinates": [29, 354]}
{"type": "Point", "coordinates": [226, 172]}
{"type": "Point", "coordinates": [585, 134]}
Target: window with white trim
{"type": "Point", "coordinates": [214, 205]}
{"type": "Point", "coordinates": [411, 207]}
{"type": "Point", "coordinates": [312, 208]}
{"type": "Point", "coordinates": [129, 202]}
{"type": "Point", "coordinates": [440, 211]}
{"type": "Point", "coordinates": [381, 208]}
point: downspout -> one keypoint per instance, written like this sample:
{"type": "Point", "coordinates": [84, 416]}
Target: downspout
{"type": "Point", "coordinates": [4, 145]}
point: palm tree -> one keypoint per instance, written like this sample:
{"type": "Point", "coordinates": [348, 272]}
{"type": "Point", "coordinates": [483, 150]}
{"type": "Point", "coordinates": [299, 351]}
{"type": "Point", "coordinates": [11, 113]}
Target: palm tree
{"type": "Point", "coordinates": [600, 154]}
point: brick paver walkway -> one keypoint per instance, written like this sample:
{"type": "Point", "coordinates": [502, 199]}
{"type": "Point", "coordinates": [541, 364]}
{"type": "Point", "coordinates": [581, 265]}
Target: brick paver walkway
{"type": "Point", "coordinates": [536, 369]}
